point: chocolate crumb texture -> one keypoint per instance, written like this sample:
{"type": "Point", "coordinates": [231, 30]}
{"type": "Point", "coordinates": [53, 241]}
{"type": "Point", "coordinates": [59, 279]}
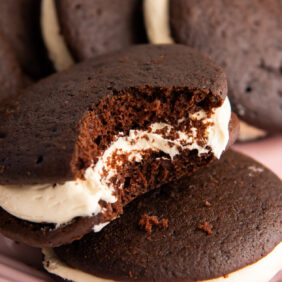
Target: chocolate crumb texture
{"type": "Point", "coordinates": [207, 227]}
{"type": "Point", "coordinates": [207, 203]}
{"type": "Point", "coordinates": [146, 222]}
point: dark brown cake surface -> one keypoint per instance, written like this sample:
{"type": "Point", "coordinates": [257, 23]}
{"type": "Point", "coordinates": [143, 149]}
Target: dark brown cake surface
{"type": "Point", "coordinates": [59, 126]}
{"type": "Point", "coordinates": [219, 220]}
{"type": "Point", "coordinates": [93, 27]}
{"type": "Point", "coordinates": [11, 77]}
{"type": "Point", "coordinates": [244, 37]}
{"type": "Point", "coordinates": [20, 22]}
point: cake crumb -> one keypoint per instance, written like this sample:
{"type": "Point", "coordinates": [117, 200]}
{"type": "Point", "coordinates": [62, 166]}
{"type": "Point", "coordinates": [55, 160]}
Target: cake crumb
{"type": "Point", "coordinates": [122, 60]}
{"type": "Point", "coordinates": [207, 227]}
{"type": "Point", "coordinates": [207, 203]}
{"type": "Point", "coordinates": [146, 222]}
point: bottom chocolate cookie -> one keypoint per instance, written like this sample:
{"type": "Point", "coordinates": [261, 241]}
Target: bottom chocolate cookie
{"type": "Point", "coordinates": [224, 222]}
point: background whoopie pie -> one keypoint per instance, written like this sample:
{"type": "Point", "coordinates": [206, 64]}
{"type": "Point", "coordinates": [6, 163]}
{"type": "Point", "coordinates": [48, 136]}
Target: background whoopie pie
{"type": "Point", "coordinates": [20, 24]}
{"type": "Point", "coordinates": [243, 37]}
{"type": "Point", "coordinates": [78, 30]}
{"type": "Point", "coordinates": [11, 76]}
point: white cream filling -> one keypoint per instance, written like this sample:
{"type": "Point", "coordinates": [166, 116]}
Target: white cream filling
{"type": "Point", "coordinates": [248, 132]}
{"type": "Point", "coordinates": [99, 227]}
{"type": "Point", "coordinates": [57, 48]}
{"type": "Point", "coordinates": [261, 271]}
{"type": "Point", "coordinates": [60, 203]}
{"type": "Point", "coordinates": [156, 18]}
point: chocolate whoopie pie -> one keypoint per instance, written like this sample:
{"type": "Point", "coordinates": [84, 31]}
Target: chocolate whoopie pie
{"type": "Point", "coordinates": [245, 39]}
{"type": "Point", "coordinates": [93, 27]}
{"type": "Point", "coordinates": [81, 144]}
{"type": "Point", "coordinates": [20, 23]}
{"type": "Point", "coordinates": [222, 222]}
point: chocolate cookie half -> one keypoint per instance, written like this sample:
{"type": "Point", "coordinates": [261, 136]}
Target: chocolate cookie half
{"type": "Point", "coordinates": [20, 23]}
{"type": "Point", "coordinates": [81, 144]}
{"type": "Point", "coordinates": [245, 39]}
{"type": "Point", "coordinates": [95, 27]}
{"type": "Point", "coordinates": [11, 76]}
{"type": "Point", "coordinates": [222, 222]}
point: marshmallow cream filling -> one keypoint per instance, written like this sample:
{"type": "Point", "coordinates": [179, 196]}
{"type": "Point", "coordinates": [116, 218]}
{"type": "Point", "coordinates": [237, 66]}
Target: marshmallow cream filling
{"type": "Point", "coordinates": [261, 271]}
{"type": "Point", "coordinates": [53, 39]}
{"type": "Point", "coordinates": [61, 202]}
{"type": "Point", "coordinates": [248, 132]}
{"type": "Point", "coordinates": [156, 19]}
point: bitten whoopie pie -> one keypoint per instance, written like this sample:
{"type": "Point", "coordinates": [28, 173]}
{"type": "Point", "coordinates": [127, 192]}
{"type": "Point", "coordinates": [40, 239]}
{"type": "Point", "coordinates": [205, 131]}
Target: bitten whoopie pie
{"type": "Point", "coordinates": [20, 24]}
{"type": "Point", "coordinates": [243, 37]}
{"type": "Point", "coordinates": [222, 223]}
{"type": "Point", "coordinates": [11, 76]}
{"type": "Point", "coordinates": [90, 28]}
{"type": "Point", "coordinates": [79, 145]}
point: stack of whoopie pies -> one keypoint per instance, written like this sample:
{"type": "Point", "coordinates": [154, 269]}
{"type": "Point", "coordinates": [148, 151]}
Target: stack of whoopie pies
{"type": "Point", "coordinates": [118, 166]}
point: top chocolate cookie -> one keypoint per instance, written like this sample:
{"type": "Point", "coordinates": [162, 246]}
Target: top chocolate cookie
{"type": "Point", "coordinates": [45, 132]}
{"type": "Point", "coordinates": [245, 39]}
{"type": "Point", "coordinates": [95, 27]}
